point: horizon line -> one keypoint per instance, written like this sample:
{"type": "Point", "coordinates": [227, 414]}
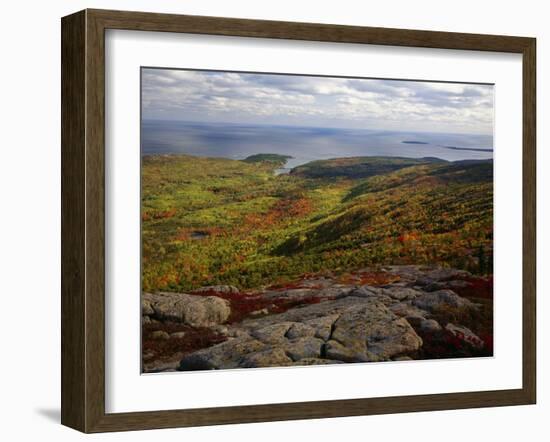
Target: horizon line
{"type": "Point", "coordinates": [142, 120]}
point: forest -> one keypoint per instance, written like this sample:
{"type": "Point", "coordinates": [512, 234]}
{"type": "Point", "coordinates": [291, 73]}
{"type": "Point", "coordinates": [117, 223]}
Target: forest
{"type": "Point", "coordinates": [212, 221]}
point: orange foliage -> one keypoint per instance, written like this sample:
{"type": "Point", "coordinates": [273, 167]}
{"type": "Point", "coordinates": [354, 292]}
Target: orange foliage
{"type": "Point", "coordinates": [281, 210]}
{"type": "Point", "coordinates": [368, 278]}
{"type": "Point", "coordinates": [408, 237]}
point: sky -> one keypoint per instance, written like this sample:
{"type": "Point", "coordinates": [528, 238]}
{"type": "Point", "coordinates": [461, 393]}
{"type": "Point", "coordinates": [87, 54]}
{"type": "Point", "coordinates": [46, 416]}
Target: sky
{"type": "Point", "coordinates": [299, 100]}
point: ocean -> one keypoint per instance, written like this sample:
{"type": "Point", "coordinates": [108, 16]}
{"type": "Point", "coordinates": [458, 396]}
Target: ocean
{"type": "Point", "coordinates": [305, 144]}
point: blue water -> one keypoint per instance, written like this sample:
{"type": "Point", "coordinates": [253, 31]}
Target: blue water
{"type": "Point", "coordinates": [305, 144]}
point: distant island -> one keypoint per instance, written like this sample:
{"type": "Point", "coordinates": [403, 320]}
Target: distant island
{"type": "Point", "coordinates": [474, 149]}
{"type": "Point", "coordinates": [414, 142]}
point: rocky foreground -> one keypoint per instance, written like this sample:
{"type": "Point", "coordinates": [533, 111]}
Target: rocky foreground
{"type": "Point", "coordinates": [393, 313]}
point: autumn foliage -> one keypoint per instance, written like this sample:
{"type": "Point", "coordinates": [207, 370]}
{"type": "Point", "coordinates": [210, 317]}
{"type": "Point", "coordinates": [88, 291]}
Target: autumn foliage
{"type": "Point", "coordinates": [209, 221]}
{"type": "Point", "coordinates": [244, 305]}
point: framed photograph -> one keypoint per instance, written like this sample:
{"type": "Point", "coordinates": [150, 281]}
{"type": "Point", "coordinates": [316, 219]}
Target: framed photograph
{"type": "Point", "coordinates": [269, 220]}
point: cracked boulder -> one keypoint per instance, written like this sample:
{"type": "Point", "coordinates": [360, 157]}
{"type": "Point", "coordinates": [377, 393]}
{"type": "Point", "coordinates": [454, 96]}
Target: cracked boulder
{"type": "Point", "coordinates": [196, 311]}
{"type": "Point", "coordinates": [350, 329]}
{"type": "Point", "coordinates": [441, 298]}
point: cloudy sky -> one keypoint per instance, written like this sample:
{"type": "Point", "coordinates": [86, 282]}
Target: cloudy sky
{"type": "Point", "coordinates": [207, 96]}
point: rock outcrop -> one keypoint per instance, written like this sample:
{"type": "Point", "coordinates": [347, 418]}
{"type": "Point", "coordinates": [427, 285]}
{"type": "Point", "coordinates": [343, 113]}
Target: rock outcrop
{"type": "Point", "coordinates": [441, 298]}
{"type": "Point", "coordinates": [351, 329]}
{"type": "Point", "coordinates": [323, 321]}
{"type": "Point", "coordinates": [196, 311]}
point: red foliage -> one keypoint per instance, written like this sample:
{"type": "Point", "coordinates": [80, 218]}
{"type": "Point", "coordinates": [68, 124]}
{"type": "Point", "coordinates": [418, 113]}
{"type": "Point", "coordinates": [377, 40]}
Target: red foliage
{"type": "Point", "coordinates": [195, 338]}
{"type": "Point", "coordinates": [407, 237]}
{"type": "Point", "coordinates": [292, 207]}
{"type": "Point", "coordinates": [477, 288]}
{"type": "Point", "coordinates": [431, 181]}
{"type": "Point", "coordinates": [294, 286]}
{"type": "Point", "coordinates": [487, 339]}
{"type": "Point", "coordinates": [283, 209]}
{"type": "Point", "coordinates": [454, 341]}
{"type": "Point", "coordinates": [281, 305]}
{"type": "Point", "coordinates": [444, 344]}
{"type": "Point", "coordinates": [243, 304]}
{"type": "Point", "coordinates": [473, 340]}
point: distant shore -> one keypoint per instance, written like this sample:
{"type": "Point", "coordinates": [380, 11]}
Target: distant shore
{"type": "Point", "coordinates": [305, 144]}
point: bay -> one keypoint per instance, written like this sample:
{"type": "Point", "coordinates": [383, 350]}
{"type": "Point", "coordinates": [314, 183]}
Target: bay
{"type": "Point", "coordinates": [305, 144]}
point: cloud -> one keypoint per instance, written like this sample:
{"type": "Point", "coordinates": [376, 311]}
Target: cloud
{"type": "Point", "coordinates": [317, 101]}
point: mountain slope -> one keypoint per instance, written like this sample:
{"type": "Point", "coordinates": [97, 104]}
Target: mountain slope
{"type": "Point", "coordinates": [220, 221]}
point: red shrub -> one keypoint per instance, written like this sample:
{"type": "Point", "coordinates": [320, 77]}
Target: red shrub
{"type": "Point", "coordinates": [283, 209]}
{"type": "Point", "coordinates": [195, 338]}
{"type": "Point", "coordinates": [444, 344]}
{"type": "Point", "coordinates": [293, 286]}
{"type": "Point", "coordinates": [243, 304]}
{"type": "Point", "coordinates": [477, 288]}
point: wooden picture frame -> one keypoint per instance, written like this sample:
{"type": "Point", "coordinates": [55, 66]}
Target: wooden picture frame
{"type": "Point", "coordinates": [83, 217]}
